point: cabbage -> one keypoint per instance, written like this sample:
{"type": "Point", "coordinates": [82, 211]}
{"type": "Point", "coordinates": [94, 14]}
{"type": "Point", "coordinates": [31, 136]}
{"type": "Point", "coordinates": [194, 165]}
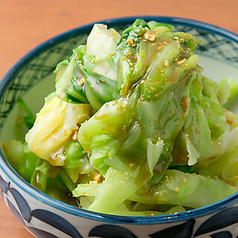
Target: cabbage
{"type": "Point", "coordinates": [62, 120]}
{"type": "Point", "coordinates": [102, 42]}
{"type": "Point", "coordinates": [133, 127]}
{"type": "Point", "coordinates": [185, 189]}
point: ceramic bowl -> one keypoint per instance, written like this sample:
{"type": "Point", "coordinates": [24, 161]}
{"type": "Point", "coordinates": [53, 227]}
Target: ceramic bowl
{"type": "Point", "coordinates": [32, 79]}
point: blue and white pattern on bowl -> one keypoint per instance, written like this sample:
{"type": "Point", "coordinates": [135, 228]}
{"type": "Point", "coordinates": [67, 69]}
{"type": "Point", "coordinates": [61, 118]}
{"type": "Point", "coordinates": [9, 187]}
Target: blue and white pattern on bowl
{"type": "Point", "coordinates": [43, 216]}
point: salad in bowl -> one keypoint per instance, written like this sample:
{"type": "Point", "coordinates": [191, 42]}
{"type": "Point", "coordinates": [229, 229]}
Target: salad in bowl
{"type": "Point", "coordinates": [133, 127]}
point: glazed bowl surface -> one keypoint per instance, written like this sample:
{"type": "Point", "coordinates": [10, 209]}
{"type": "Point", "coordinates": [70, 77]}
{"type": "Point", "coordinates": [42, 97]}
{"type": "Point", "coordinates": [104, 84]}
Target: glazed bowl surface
{"type": "Point", "coordinates": [32, 78]}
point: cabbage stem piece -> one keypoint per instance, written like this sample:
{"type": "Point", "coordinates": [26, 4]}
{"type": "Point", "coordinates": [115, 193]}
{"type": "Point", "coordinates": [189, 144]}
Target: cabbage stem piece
{"type": "Point", "coordinates": [54, 125]}
{"type": "Point", "coordinates": [102, 42]}
{"type": "Point", "coordinates": [115, 181]}
{"type": "Point", "coordinates": [185, 189]}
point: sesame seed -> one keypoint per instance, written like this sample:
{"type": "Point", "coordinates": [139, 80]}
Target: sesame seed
{"type": "Point", "coordinates": [120, 105]}
{"type": "Point", "coordinates": [81, 81]}
{"type": "Point", "coordinates": [150, 36]}
{"type": "Point", "coordinates": [129, 54]}
{"type": "Point", "coordinates": [129, 41]}
{"type": "Point", "coordinates": [132, 164]}
{"type": "Point", "coordinates": [166, 63]}
{"type": "Point", "coordinates": [181, 61]}
{"type": "Point", "coordinates": [131, 64]}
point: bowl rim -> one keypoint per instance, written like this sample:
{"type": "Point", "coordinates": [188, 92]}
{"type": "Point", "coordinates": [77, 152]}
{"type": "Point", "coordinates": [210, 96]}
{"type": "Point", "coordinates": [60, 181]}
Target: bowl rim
{"type": "Point", "coordinates": [142, 220]}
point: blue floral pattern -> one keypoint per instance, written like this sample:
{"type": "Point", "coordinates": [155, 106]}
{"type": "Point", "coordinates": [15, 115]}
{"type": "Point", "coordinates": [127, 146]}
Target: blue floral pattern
{"type": "Point", "coordinates": [56, 221]}
{"type": "Point", "coordinates": [184, 230]}
{"type": "Point", "coordinates": [109, 231]}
